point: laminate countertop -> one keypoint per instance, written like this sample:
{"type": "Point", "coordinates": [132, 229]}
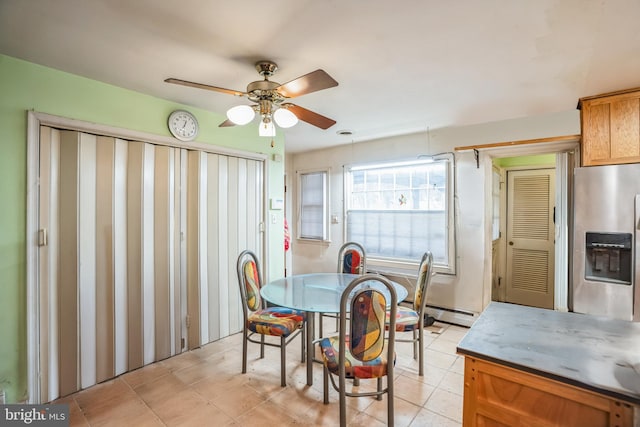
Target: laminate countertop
{"type": "Point", "coordinates": [591, 352]}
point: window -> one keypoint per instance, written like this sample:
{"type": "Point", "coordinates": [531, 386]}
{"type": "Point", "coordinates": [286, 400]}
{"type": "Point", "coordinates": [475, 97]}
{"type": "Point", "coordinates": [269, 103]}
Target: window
{"type": "Point", "coordinates": [313, 196]}
{"type": "Point", "coordinates": [399, 211]}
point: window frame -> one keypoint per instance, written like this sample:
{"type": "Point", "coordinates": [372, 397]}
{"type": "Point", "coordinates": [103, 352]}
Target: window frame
{"type": "Point", "coordinates": [389, 264]}
{"type": "Point", "coordinates": [326, 234]}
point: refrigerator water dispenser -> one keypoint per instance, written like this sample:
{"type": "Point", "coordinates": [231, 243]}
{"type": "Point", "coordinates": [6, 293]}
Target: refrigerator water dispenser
{"type": "Point", "coordinates": [608, 257]}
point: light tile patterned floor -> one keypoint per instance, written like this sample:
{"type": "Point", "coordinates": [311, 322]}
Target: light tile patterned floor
{"type": "Point", "coordinates": [205, 387]}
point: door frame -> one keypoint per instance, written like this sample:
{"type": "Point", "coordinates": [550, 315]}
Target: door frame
{"type": "Point", "coordinates": [567, 150]}
{"type": "Point", "coordinates": [34, 121]}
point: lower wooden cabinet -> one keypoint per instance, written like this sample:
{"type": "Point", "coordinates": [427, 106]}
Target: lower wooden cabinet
{"type": "Point", "coordinates": [496, 395]}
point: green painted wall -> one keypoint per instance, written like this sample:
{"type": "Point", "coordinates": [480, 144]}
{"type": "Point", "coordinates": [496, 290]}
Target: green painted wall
{"type": "Point", "coordinates": [26, 86]}
{"type": "Point", "coordinates": [538, 160]}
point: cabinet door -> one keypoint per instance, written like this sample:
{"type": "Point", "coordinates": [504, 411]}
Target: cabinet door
{"type": "Point", "coordinates": [611, 130]}
{"type": "Point", "coordinates": [499, 396]}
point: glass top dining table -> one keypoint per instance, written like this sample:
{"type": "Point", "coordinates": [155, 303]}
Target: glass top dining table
{"type": "Point", "coordinates": [317, 293]}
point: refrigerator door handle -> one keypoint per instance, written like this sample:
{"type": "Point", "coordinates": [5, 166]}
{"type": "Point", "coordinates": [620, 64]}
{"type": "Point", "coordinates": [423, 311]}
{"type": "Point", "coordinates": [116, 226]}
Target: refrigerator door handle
{"type": "Point", "coordinates": [636, 257]}
{"type": "Point", "coordinates": [637, 214]}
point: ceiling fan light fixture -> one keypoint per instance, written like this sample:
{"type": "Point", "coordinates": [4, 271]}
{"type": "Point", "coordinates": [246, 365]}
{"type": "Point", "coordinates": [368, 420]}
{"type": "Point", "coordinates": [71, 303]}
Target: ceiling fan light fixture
{"type": "Point", "coordinates": [269, 97]}
{"type": "Point", "coordinates": [241, 114]}
{"type": "Point", "coordinates": [267, 129]}
{"type": "Point", "coordinates": [285, 118]}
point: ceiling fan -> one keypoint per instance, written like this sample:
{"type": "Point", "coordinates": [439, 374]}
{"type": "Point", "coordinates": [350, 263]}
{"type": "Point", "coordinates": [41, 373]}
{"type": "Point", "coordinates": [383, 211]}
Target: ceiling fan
{"type": "Point", "coordinates": [270, 98]}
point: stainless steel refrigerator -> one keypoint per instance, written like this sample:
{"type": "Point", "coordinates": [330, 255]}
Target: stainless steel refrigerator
{"type": "Point", "coordinates": [606, 232]}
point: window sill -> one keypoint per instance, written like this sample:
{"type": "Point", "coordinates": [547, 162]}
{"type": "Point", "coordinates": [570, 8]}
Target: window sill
{"type": "Point", "coordinates": [405, 269]}
{"type": "Point", "coordinates": [388, 271]}
{"type": "Point", "coordinates": [313, 242]}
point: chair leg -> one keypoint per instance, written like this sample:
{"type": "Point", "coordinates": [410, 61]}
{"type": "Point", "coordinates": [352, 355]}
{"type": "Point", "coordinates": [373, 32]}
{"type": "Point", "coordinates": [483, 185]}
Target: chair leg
{"type": "Point", "coordinates": [261, 346]}
{"type": "Point", "coordinates": [415, 345]}
{"type": "Point", "coordinates": [309, 346]}
{"type": "Point", "coordinates": [379, 381]}
{"type": "Point", "coordinates": [356, 382]}
{"type": "Point", "coordinates": [325, 384]}
{"type": "Point", "coordinates": [303, 340]}
{"type": "Point", "coordinates": [390, 414]}
{"type": "Point", "coordinates": [421, 352]}
{"type": "Point", "coordinates": [283, 360]}
{"type": "Point", "coordinates": [343, 403]}
{"type": "Point", "coordinates": [244, 350]}
{"type": "Point", "coordinates": [321, 318]}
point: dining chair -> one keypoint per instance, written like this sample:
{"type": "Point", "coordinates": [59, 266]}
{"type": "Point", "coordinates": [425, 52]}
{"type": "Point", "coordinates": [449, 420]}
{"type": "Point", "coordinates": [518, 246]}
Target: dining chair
{"type": "Point", "coordinates": [352, 259]}
{"type": "Point", "coordinates": [361, 354]}
{"type": "Point", "coordinates": [285, 323]}
{"type": "Point", "coordinates": [412, 319]}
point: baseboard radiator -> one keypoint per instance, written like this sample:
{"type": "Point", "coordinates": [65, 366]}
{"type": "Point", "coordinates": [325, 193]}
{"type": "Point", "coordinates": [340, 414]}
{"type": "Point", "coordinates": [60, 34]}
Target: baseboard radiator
{"type": "Point", "coordinates": [443, 314]}
{"type": "Point", "coordinates": [452, 315]}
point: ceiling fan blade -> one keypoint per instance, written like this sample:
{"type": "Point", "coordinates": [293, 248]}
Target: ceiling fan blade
{"type": "Point", "coordinates": [203, 86]}
{"type": "Point", "coordinates": [312, 82]}
{"type": "Point", "coordinates": [310, 117]}
{"type": "Point", "coordinates": [227, 123]}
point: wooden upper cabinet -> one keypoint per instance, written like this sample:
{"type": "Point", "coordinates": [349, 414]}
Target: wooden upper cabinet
{"type": "Point", "coordinates": [610, 128]}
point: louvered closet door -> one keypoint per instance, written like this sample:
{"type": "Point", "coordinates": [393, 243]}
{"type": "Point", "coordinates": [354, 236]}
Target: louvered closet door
{"type": "Point", "coordinates": [530, 237]}
{"type": "Point", "coordinates": [224, 211]}
{"type": "Point", "coordinates": [110, 277]}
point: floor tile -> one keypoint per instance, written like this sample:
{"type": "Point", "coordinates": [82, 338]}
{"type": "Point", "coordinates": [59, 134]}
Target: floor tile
{"type": "Point", "coordinates": [239, 400]}
{"type": "Point", "coordinates": [404, 412]}
{"type": "Point", "coordinates": [452, 382]}
{"type": "Point", "coordinates": [179, 407]}
{"type": "Point", "coordinates": [412, 390]}
{"type": "Point", "coordinates": [365, 420]}
{"type": "Point", "coordinates": [458, 366]}
{"type": "Point", "coordinates": [206, 387]}
{"type": "Point", "coordinates": [454, 334]}
{"type": "Point", "coordinates": [268, 414]}
{"type": "Point", "coordinates": [426, 418]}
{"type": "Point", "coordinates": [443, 360]}
{"type": "Point", "coordinates": [446, 404]}
{"type": "Point", "coordinates": [145, 374]}
{"type": "Point", "coordinates": [444, 346]}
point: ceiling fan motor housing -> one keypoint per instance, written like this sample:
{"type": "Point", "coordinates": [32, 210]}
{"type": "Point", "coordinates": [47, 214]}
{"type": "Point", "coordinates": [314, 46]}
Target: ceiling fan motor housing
{"type": "Point", "coordinates": [263, 89]}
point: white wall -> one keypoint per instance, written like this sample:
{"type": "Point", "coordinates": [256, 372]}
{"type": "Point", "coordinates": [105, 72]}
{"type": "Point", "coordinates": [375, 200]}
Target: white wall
{"type": "Point", "coordinates": [470, 289]}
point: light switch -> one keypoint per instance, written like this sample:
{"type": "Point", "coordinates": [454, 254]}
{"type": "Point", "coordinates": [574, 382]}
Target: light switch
{"type": "Point", "coordinates": [274, 219]}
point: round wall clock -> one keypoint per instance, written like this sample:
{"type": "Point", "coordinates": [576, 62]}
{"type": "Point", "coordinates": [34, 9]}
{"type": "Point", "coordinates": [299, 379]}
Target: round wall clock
{"type": "Point", "coordinates": [183, 125]}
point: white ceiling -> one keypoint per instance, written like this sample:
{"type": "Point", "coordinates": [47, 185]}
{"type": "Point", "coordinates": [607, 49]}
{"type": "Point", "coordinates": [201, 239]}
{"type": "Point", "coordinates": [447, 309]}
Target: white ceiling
{"type": "Point", "coordinates": [402, 66]}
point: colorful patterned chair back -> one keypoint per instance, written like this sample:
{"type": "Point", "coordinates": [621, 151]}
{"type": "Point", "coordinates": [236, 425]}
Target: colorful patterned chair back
{"type": "Point", "coordinates": [250, 281]}
{"type": "Point", "coordinates": [368, 311]}
{"type": "Point", "coordinates": [352, 259]}
{"type": "Point", "coordinates": [425, 271]}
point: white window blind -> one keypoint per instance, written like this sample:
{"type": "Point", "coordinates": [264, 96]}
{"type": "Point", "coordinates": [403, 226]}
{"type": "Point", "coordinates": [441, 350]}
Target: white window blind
{"type": "Point", "coordinates": [313, 205]}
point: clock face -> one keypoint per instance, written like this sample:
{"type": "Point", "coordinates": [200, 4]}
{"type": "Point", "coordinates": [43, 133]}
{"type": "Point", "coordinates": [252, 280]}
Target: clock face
{"type": "Point", "coordinates": [183, 125]}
